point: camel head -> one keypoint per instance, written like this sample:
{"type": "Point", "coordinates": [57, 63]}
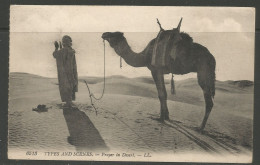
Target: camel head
{"type": "Point", "coordinates": [113, 38]}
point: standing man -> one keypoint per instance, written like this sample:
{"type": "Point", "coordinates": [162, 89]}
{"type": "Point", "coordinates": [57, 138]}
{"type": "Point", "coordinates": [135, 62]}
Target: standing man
{"type": "Point", "coordinates": [67, 70]}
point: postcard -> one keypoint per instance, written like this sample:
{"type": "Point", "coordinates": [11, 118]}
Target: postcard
{"type": "Point", "coordinates": [131, 83]}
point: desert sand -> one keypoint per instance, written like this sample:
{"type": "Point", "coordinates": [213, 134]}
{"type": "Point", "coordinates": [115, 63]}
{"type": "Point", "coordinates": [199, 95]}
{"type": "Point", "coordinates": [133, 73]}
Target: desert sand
{"type": "Point", "coordinates": [125, 120]}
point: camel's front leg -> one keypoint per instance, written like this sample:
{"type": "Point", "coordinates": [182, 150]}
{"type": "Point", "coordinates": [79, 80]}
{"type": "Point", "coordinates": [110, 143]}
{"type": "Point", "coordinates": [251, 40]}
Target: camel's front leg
{"type": "Point", "coordinates": [162, 94]}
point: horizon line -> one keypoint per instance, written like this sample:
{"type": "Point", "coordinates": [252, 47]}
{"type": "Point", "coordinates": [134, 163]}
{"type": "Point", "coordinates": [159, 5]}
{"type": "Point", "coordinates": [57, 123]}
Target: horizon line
{"type": "Point", "coordinates": [118, 76]}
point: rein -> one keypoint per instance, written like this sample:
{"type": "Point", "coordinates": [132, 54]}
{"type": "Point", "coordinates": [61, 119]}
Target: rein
{"type": "Point", "coordinates": [91, 95]}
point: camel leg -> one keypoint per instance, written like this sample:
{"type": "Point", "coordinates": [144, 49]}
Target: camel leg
{"type": "Point", "coordinates": [162, 94]}
{"type": "Point", "coordinates": [206, 83]}
{"type": "Point", "coordinates": [209, 105]}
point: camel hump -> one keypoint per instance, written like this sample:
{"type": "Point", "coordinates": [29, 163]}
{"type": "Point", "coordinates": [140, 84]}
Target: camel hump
{"type": "Point", "coordinates": [165, 47]}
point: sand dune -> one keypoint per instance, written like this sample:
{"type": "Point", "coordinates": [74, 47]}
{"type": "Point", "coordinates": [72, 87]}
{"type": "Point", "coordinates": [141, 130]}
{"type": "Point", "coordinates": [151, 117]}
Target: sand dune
{"type": "Point", "coordinates": [126, 115]}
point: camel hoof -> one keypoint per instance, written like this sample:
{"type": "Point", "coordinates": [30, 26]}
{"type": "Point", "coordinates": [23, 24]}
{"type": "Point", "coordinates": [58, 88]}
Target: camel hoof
{"type": "Point", "coordinates": [161, 119]}
{"type": "Point", "coordinates": [156, 119]}
{"type": "Point", "coordinates": [167, 117]}
{"type": "Point", "coordinates": [200, 130]}
{"type": "Point", "coordinates": [164, 117]}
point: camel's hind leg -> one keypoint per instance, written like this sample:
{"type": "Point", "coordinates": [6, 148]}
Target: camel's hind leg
{"type": "Point", "coordinates": [209, 104]}
{"type": "Point", "coordinates": [207, 83]}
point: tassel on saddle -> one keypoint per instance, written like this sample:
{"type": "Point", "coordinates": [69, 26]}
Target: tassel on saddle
{"type": "Point", "coordinates": [172, 86]}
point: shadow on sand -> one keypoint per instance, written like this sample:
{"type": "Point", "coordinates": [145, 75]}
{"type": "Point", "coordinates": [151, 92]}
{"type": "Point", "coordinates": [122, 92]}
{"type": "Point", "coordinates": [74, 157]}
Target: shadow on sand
{"type": "Point", "coordinates": [225, 142]}
{"type": "Point", "coordinates": [83, 134]}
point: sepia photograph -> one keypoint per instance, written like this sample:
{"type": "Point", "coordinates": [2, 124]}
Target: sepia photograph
{"type": "Point", "coordinates": [131, 83]}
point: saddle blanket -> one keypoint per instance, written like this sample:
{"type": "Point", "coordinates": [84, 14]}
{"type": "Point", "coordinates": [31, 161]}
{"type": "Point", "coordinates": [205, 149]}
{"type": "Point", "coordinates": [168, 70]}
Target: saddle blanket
{"type": "Point", "coordinates": [165, 48]}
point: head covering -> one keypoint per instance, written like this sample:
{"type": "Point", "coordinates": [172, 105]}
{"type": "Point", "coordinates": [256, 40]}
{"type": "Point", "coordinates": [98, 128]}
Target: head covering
{"type": "Point", "coordinates": [66, 41]}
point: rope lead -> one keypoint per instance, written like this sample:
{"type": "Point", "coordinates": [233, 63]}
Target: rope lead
{"type": "Point", "coordinates": [91, 95]}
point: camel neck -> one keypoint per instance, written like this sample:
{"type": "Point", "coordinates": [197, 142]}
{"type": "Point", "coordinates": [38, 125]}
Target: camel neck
{"type": "Point", "coordinates": [130, 57]}
{"type": "Point", "coordinates": [123, 49]}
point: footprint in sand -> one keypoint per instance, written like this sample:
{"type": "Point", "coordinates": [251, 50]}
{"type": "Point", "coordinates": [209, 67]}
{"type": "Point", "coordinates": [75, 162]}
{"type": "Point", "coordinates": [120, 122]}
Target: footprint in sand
{"type": "Point", "coordinates": [139, 120]}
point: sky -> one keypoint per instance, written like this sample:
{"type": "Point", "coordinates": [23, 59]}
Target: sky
{"type": "Point", "coordinates": [227, 32]}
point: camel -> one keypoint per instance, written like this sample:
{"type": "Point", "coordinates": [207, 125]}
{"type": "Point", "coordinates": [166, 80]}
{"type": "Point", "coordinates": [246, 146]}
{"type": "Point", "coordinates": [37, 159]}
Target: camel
{"type": "Point", "coordinates": [181, 56]}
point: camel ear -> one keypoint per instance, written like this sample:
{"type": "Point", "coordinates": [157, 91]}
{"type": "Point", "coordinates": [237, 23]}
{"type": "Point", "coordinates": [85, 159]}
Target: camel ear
{"type": "Point", "coordinates": [179, 26]}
